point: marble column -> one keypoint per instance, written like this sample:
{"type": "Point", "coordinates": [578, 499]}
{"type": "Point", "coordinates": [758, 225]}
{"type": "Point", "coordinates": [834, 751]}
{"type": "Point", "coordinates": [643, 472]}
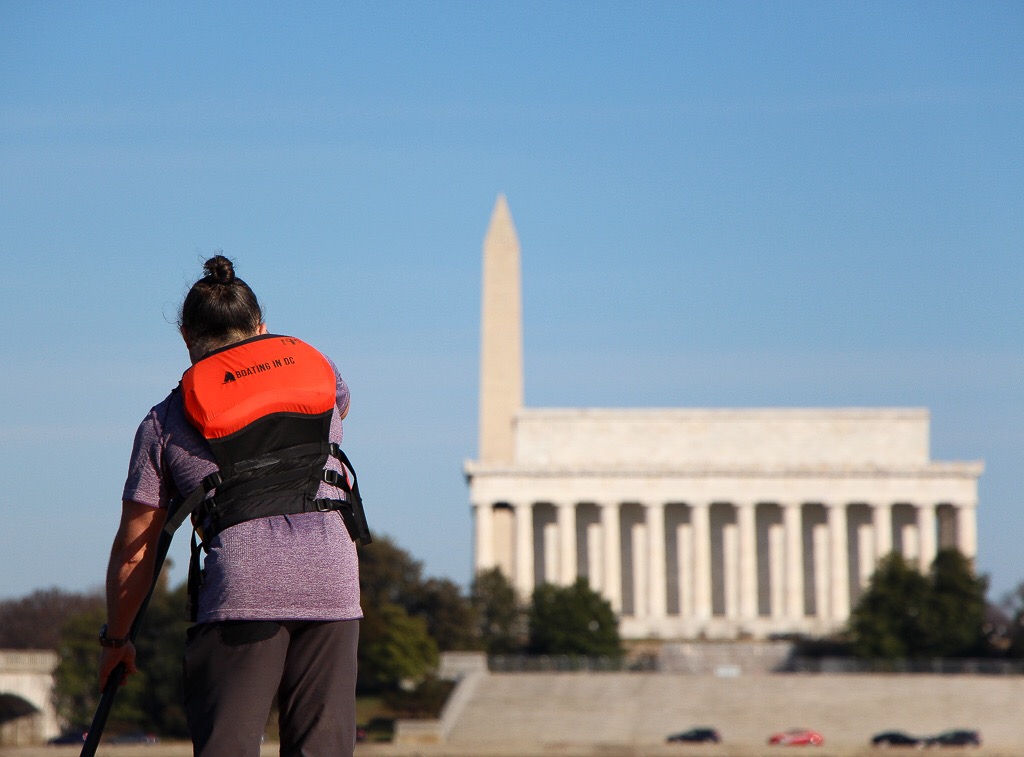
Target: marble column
{"type": "Point", "coordinates": [792, 520]}
{"type": "Point", "coordinates": [700, 517]}
{"type": "Point", "coordinates": [484, 536]}
{"type": "Point", "coordinates": [967, 529]}
{"type": "Point", "coordinates": [684, 542]}
{"type": "Point", "coordinates": [839, 563]}
{"type": "Point", "coordinates": [524, 549]}
{"type": "Point", "coordinates": [747, 545]}
{"type": "Point", "coordinates": [865, 554]}
{"type": "Point", "coordinates": [926, 536]}
{"type": "Point", "coordinates": [637, 536]}
{"type": "Point", "coordinates": [820, 570]}
{"type": "Point", "coordinates": [777, 570]}
{"type": "Point", "coordinates": [730, 572]}
{"type": "Point", "coordinates": [881, 516]}
{"type": "Point", "coordinates": [548, 552]}
{"type": "Point", "coordinates": [595, 557]}
{"type": "Point", "coordinates": [655, 516]}
{"type": "Point", "coordinates": [611, 578]}
{"type": "Point", "coordinates": [566, 543]}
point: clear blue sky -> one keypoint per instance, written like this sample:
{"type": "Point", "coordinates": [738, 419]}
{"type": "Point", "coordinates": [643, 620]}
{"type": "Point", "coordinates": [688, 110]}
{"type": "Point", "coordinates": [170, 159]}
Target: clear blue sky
{"type": "Point", "coordinates": [719, 204]}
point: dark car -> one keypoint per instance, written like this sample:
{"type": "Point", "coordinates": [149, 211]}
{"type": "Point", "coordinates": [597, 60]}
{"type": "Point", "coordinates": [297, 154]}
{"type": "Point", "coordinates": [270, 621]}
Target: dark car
{"type": "Point", "coordinates": [954, 738]}
{"type": "Point", "coordinates": [895, 738]}
{"type": "Point", "coordinates": [68, 737]}
{"type": "Point", "coordinates": [696, 736]}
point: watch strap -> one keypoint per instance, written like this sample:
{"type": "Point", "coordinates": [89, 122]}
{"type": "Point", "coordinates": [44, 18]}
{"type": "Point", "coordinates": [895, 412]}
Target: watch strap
{"type": "Point", "coordinates": [111, 643]}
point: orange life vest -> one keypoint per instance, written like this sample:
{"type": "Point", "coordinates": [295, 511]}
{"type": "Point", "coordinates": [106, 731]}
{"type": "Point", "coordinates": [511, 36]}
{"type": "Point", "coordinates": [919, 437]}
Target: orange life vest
{"type": "Point", "coordinates": [265, 406]}
{"type": "Point", "coordinates": [231, 388]}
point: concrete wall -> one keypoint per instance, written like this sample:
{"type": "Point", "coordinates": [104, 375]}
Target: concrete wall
{"type": "Point", "coordinates": [635, 709]}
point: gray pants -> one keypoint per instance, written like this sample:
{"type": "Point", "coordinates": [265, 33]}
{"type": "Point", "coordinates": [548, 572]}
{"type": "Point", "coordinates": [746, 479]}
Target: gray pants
{"type": "Point", "coordinates": [235, 669]}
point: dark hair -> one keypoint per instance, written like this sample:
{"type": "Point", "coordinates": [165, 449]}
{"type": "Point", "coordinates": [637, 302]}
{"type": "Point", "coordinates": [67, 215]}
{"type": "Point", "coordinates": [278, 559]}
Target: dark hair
{"type": "Point", "coordinates": [219, 309]}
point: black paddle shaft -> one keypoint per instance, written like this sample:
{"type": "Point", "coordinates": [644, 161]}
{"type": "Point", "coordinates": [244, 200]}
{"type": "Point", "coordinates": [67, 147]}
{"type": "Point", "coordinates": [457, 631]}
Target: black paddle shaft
{"type": "Point", "coordinates": [99, 720]}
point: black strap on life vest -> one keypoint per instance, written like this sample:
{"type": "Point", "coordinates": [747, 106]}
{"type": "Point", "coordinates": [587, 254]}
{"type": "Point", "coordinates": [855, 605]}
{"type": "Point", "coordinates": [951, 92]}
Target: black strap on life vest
{"type": "Point", "coordinates": [350, 509]}
{"type": "Point", "coordinates": [211, 515]}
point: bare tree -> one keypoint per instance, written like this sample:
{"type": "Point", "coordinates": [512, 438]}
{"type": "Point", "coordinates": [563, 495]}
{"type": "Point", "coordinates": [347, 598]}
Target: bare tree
{"type": "Point", "coordinates": [35, 621]}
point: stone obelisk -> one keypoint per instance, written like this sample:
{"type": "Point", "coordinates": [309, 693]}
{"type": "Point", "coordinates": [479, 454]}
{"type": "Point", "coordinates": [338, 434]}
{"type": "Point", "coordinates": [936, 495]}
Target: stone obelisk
{"type": "Point", "coordinates": [501, 339]}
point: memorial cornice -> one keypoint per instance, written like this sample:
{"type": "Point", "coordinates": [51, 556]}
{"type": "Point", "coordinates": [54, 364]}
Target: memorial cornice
{"type": "Point", "coordinates": [717, 413]}
{"type": "Point", "coordinates": [940, 469]}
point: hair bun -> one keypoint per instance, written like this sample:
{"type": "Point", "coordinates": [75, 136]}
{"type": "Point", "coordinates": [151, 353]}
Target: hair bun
{"type": "Point", "coordinates": [219, 269]}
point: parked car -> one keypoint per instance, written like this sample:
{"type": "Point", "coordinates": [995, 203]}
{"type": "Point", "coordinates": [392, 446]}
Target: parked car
{"type": "Point", "coordinates": [796, 737]}
{"type": "Point", "coordinates": [954, 738]}
{"type": "Point", "coordinates": [702, 735]}
{"type": "Point", "coordinates": [69, 737]}
{"type": "Point", "coordinates": [896, 738]}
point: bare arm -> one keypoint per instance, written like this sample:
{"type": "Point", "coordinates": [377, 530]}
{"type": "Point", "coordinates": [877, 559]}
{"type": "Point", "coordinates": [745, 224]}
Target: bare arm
{"type": "Point", "coordinates": [129, 576]}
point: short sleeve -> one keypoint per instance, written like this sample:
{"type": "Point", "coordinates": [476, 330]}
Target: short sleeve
{"type": "Point", "coordinates": [145, 483]}
{"type": "Point", "coordinates": [341, 389]}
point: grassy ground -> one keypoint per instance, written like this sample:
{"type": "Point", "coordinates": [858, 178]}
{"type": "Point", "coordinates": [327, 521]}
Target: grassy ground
{"type": "Point", "coordinates": [376, 717]}
{"type": "Point", "coordinates": [184, 749]}
{"type": "Point", "coordinates": [372, 714]}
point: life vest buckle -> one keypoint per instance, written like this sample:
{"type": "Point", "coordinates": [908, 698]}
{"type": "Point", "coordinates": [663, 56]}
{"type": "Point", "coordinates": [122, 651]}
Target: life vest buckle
{"type": "Point", "coordinates": [327, 505]}
{"type": "Point", "coordinates": [212, 481]}
{"type": "Point", "coordinates": [210, 507]}
{"type": "Point", "coordinates": [337, 479]}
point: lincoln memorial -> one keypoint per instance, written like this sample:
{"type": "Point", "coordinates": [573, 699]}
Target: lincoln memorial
{"type": "Point", "coordinates": [699, 522]}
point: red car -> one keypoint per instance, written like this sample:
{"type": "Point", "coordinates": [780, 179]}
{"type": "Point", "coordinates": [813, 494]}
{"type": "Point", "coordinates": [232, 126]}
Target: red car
{"type": "Point", "coordinates": [797, 737]}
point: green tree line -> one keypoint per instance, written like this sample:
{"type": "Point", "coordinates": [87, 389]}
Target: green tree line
{"type": "Point", "coordinates": [409, 619]}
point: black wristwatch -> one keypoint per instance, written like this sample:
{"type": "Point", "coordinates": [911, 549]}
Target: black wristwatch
{"type": "Point", "coordinates": [106, 641]}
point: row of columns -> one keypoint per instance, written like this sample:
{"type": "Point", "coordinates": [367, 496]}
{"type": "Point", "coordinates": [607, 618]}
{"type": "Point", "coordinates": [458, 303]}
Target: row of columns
{"type": "Point", "coordinates": [740, 554]}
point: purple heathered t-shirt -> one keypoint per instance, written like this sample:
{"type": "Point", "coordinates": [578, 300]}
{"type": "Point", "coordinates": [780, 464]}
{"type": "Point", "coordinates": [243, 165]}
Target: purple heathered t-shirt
{"type": "Point", "coordinates": [282, 567]}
